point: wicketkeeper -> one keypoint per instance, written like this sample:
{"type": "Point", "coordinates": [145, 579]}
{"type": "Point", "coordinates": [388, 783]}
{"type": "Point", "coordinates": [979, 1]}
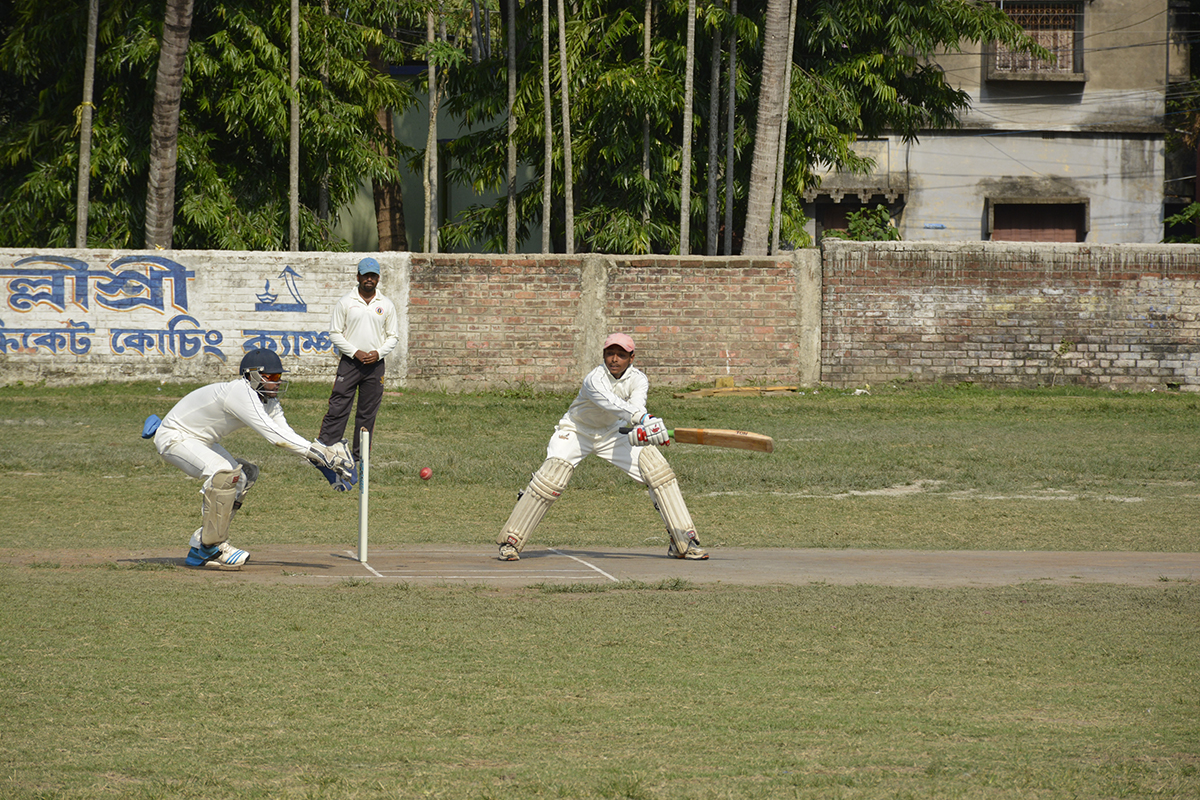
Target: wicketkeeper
{"type": "Point", "coordinates": [613, 395]}
{"type": "Point", "coordinates": [188, 438]}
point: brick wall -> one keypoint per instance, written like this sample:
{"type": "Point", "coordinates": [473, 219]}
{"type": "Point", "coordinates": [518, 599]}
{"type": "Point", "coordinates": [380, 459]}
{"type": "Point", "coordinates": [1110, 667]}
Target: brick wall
{"type": "Point", "coordinates": [1121, 316]}
{"type": "Point", "coordinates": [467, 321]}
{"type": "Point", "coordinates": [854, 313]}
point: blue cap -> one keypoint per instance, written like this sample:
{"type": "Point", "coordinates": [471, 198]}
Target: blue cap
{"type": "Point", "coordinates": [368, 264]}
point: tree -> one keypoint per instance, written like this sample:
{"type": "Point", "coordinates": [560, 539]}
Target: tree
{"type": "Point", "coordinates": [565, 92]}
{"type": "Point", "coordinates": [868, 66]}
{"type": "Point", "coordinates": [685, 159]}
{"type": "Point", "coordinates": [232, 165]}
{"type": "Point", "coordinates": [164, 138]}
{"type": "Point", "coordinates": [510, 228]}
{"type": "Point", "coordinates": [85, 127]}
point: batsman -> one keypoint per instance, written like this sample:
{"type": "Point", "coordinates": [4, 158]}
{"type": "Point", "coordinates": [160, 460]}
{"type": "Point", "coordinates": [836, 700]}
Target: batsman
{"type": "Point", "coordinates": [188, 438]}
{"type": "Point", "coordinates": [613, 395]}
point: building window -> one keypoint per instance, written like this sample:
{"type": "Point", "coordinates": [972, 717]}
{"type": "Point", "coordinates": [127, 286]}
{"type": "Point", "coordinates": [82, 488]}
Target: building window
{"type": "Point", "coordinates": [1019, 220]}
{"type": "Point", "coordinates": [1058, 27]}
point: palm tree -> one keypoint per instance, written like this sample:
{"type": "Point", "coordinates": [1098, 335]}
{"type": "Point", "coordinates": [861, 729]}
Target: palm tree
{"type": "Point", "coordinates": [431, 154]}
{"type": "Point", "coordinates": [766, 139]}
{"type": "Point", "coordinates": [164, 132]}
{"type": "Point", "coordinates": [714, 138]}
{"type": "Point", "coordinates": [646, 25]}
{"type": "Point", "coordinates": [777, 216]}
{"type": "Point", "coordinates": [685, 178]}
{"type": "Point", "coordinates": [85, 128]}
{"type": "Point", "coordinates": [510, 235]}
{"type": "Point", "coordinates": [730, 127]}
{"type": "Point", "coordinates": [565, 79]}
{"type": "Point", "coordinates": [548, 123]}
{"type": "Point", "coordinates": [294, 143]}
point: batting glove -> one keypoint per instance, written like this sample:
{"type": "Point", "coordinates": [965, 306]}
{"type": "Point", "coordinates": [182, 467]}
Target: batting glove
{"type": "Point", "coordinates": [652, 431]}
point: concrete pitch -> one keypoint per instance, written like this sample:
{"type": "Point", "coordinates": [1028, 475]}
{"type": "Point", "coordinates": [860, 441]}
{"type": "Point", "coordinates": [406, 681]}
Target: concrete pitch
{"type": "Point", "coordinates": [478, 565]}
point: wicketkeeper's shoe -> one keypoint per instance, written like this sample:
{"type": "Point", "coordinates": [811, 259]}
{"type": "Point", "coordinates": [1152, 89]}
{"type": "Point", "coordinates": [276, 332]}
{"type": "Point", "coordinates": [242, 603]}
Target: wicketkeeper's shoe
{"type": "Point", "coordinates": [694, 551]}
{"type": "Point", "coordinates": [216, 556]}
{"type": "Point", "coordinates": [509, 553]}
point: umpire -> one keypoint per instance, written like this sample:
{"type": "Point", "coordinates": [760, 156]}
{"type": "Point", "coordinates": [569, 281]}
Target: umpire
{"type": "Point", "coordinates": [364, 328]}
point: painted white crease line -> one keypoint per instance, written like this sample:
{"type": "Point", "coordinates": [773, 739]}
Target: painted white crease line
{"type": "Point", "coordinates": [436, 576]}
{"type": "Point", "coordinates": [585, 563]}
{"type": "Point", "coordinates": [354, 555]}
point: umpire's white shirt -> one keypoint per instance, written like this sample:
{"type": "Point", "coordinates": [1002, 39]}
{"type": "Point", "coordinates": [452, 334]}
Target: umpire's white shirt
{"type": "Point", "coordinates": [212, 411]}
{"type": "Point", "coordinates": [356, 324]}
{"type": "Point", "coordinates": [604, 403]}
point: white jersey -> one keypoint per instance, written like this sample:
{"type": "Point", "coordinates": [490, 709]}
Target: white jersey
{"type": "Point", "coordinates": [357, 325]}
{"type": "Point", "coordinates": [212, 411]}
{"type": "Point", "coordinates": [604, 403]}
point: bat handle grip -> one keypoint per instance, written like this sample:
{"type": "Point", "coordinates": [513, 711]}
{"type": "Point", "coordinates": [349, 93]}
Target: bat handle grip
{"type": "Point", "coordinates": [627, 429]}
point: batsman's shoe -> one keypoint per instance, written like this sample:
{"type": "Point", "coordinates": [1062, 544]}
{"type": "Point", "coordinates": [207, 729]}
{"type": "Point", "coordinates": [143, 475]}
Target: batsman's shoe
{"type": "Point", "coordinates": [217, 556]}
{"type": "Point", "coordinates": [694, 551]}
{"type": "Point", "coordinates": [509, 553]}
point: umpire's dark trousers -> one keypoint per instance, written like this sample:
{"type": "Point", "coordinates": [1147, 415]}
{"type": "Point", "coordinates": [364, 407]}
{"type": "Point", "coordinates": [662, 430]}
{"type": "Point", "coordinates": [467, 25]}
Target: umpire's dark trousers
{"type": "Point", "coordinates": [353, 376]}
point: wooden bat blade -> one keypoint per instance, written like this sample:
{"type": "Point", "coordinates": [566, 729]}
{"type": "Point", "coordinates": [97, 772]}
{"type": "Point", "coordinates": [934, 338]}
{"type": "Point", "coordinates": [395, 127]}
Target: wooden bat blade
{"type": "Point", "coordinates": [717, 437]}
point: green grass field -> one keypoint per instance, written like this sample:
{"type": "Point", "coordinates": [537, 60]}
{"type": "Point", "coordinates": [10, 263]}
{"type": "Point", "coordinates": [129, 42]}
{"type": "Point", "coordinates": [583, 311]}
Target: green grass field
{"type": "Point", "coordinates": [160, 682]}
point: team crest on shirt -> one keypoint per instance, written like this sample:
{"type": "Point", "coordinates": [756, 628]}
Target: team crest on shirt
{"type": "Point", "coordinates": [378, 311]}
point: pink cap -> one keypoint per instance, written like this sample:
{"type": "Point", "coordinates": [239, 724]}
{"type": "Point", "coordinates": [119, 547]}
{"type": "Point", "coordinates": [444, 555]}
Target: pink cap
{"type": "Point", "coordinates": [620, 340]}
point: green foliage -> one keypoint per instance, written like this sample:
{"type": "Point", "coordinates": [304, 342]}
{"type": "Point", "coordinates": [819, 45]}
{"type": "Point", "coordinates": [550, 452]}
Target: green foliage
{"type": "Point", "coordinates": [1190, 216]}
{"type": "Point", "coordinates": [868, 225]}
{"type": "Point", "coordinates": [232, 172]}
{"type": "Point", "coordinates": [862, 68]}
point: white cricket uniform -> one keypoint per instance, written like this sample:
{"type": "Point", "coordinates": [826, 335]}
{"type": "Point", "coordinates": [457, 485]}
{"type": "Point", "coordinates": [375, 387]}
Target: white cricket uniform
{"type": "Point", "coordinates": [590, 426]}
{"type": "Point", "coordinates": [189, 435]}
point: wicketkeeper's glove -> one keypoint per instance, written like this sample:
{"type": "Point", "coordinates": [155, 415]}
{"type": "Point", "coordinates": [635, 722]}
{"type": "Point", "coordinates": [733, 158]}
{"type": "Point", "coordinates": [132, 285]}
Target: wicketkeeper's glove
{"type": "Point", "coordinates": [335, 457]}
{"type": "Point", "coordinates": [652, 431]}
{"type": "Point", "coordinates": [335, 480]}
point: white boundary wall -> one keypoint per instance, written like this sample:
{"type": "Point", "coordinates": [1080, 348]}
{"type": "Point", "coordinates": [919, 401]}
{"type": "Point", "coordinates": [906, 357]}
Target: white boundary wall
{"type": "Point", "coordinates": [72, 316]}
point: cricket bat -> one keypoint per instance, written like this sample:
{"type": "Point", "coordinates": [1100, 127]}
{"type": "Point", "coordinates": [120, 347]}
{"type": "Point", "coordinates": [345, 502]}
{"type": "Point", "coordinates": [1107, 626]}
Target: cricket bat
{"type": "Point", "coordinates": [718, 437]}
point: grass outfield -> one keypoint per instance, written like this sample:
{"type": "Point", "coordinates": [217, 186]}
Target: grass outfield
{"type": "Point", "coordinates": [162, 682]}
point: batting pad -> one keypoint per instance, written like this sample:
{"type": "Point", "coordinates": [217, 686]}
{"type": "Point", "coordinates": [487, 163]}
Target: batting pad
{"type": "Point", "coordinates": [664, 491]}
{"type": "Point", "coordinates": [546, 485]}
{"type": "Point", "coordinates": [217, 512]}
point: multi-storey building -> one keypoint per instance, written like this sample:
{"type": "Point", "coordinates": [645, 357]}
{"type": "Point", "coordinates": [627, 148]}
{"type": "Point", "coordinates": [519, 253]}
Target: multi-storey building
{"type": "Point", "coordinates": [1066, 149]}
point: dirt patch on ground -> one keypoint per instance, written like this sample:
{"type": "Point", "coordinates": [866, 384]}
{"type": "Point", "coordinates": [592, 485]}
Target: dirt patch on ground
{"type": "Point", "coordinates": [463, 564]}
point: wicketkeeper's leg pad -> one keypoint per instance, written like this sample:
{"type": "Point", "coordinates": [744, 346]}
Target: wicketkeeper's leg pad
{"type": "Point", "coordinates": [664, 492]}
{"type": "Point", "coordinates": [249, 476]}
{"type": "Point", "coordinates": [219, 497]}
{"type": "Point", "coordinates": [546, 485]}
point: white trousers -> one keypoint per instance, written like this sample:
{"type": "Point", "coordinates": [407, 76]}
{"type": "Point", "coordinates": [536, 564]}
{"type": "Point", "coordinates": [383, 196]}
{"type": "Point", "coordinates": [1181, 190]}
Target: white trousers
{"type": "Point", "coordinates": [572, 446]}
{"type": "Point", "coordinates": [197, 459]}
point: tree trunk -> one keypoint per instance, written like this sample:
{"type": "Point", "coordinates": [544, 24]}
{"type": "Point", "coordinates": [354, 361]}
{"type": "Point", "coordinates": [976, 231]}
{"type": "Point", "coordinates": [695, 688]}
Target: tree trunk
{"type": "Point", "coordinates": [714, 143]}
{"type": "Point", "coordinates": [777, 216]}
{"type": "Point", "coordinates": [568, 175]}
{"type": "Point", "coordinates": [548, 122]}
{"type": "Point", "coordinates": [431, 154]}
{"type": "Point", "coordinates": [510, 236]}
{"type": "Point", "coordinates": [164, 131]}
{"type": "Point", "coordinates": [766, 139]}
{"type": "Point", "coordinates": [84, 178]}
{"type": "Point", "coordinates": [323, 187]}
{"type": "Point", "coordinates": [730, 129]}
{"type": "Point", "coordinates": [389, 197]}
{"type": "Point", "coordinates": [685, 176]}
{"type": "Point", "coordinates": [646, 125]}
{"type": "Point", "coordinates": [294, 137]}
